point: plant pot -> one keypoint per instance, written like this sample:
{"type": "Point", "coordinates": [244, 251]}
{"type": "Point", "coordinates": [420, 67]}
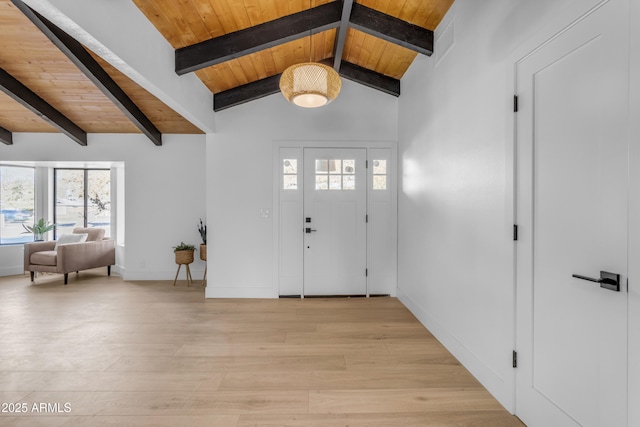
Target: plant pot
{"type": "Point", "coordinates": [184, 257]}
{"type": "Point", "coordinates": [203, 252]}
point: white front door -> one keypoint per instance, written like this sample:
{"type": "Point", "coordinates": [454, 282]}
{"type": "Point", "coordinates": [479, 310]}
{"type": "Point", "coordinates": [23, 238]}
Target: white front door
{"type": "Point", "coordinates": [335, 234]}
{"type": "Point", "coordinates": [572, 214]}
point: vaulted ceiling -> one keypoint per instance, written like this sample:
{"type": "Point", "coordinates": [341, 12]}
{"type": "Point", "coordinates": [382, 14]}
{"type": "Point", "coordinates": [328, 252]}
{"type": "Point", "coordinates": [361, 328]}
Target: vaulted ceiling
{"type": "Point", "coordinates": [238, 48]}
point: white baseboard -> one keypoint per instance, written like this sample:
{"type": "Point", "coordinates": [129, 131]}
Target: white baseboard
{"type": "Point", "coordinates": [133, 274]}
{"type": "Point", "coordinates": [11, 271]}
{"type": "Point", "coordinates": [239, 292]}
{"type": "Point", "coordinates": [501, 388]}
{"type": "Point", "coordinates": [117, 270]}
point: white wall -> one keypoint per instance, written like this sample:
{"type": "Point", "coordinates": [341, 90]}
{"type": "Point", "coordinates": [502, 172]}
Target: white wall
{"type": "Point", "coordinates": [634, 220]}
{"type": "Point", "coordinates": [239, 176]}
{"type": "Point", "coordinates": [456, 253]}
{"type": "Point", "coordinates": [164, 193]}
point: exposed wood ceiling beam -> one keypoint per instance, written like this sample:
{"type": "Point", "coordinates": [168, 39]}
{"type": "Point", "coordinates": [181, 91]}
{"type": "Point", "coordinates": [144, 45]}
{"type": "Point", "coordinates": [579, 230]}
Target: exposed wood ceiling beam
{"type": "Point", "coordinates": [94, 72]}
{"type": "Point", "coordinates": [341, 36]}
{"type": "Point", "coordinates": [6, 137]}
{"type": "Point", "coordinates": [245, 93]}
{"type": "Point", "coordinates": [253, 39]}
{"type": "Point", "coordinates": [392, 29]}
{"type": "Point", "coordinates": [370, 78]}
{"type": "Point", "coordinates": [270, 85]}
{"type": "Point", "coordinates": [26, 97]}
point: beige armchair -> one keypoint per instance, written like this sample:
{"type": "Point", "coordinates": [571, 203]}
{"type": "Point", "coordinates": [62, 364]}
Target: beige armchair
{"type": "Point", "coordinates": [95, 252]}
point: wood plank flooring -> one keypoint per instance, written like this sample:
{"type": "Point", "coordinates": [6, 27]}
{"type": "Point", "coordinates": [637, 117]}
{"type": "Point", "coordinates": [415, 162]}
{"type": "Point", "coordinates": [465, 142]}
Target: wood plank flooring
{"type": "Point", "coordinates": [150, 354]}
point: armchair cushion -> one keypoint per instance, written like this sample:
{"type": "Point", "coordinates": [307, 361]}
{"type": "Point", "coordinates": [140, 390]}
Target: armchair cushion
{"type": "Point", "coordinates": [71, 238]}
{"type": "Point", "coordinates": [93, 234]}
{"type": "Point", "coordinates": [44, 258]}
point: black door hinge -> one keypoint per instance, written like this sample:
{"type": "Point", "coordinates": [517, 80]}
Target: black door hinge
{"type": "Point", "coordinates": [366, 272]}
{"type": "Point", "coordinates": [366, 218]}
{"type": "Point", "coordinates": [515, 359]}
{"type": "Point", "coordinates": [515, 103]}
{"type": "Point", "coordinates": [366, 164]}
{"type": "Point", "coordinates": [515, 232]}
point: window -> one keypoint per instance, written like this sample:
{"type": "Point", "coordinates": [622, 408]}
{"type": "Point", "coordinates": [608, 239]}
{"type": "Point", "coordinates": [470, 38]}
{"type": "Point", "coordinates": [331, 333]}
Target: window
{"type": "Point", "coordinates": [290, 174]}
{"type": "Point", "coordinates": [335, 174]}
{"type": "Point", "coordinates": [82, 199]}
{"type": "Point", "coordinates": [379, 174]}
{"type": "Point", "coordinates": [17, 203]}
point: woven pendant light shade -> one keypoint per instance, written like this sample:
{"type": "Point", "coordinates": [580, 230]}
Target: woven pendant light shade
{"type": "Point", "coordinates": [310, 84]}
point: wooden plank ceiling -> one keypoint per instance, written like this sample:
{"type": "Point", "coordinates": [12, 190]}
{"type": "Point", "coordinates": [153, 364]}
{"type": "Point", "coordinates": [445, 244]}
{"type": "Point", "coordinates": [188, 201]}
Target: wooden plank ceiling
{"type": "Point", "coordinates": [238, 48]}
{"type": "Point", "coordinates": [37, 80]}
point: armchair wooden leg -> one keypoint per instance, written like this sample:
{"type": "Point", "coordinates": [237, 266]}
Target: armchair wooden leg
{"type": "Point", "coordinates": [66, 278]}
{"type": "Point", "coordinates": [108, 270]}
{"type": "Point", "coordinates": [32, 274]}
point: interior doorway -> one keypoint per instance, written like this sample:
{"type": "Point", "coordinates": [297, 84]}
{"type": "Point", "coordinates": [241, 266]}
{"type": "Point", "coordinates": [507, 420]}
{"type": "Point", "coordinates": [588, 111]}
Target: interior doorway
{"type": "Point", "coordinates": [572, 214]}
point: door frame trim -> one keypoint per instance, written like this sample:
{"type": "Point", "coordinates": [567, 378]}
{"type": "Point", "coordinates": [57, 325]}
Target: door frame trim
{"type": "Point", "coordinates": [277, 145]}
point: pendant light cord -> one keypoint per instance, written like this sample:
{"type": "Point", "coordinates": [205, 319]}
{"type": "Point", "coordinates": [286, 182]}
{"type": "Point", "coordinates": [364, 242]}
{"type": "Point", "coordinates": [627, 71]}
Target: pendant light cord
{"type": "Point", "coordinates": [310, 34]}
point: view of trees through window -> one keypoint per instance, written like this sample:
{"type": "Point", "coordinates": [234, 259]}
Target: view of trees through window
{"type": "Point", "coordinates": [82, 199]}
{"type": "Point", "coordinates": [17, 203]}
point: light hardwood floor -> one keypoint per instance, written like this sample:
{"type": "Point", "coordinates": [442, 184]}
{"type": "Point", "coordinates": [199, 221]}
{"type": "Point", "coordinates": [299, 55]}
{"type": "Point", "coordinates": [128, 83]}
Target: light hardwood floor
{"type": "Point", "coordinates": [150, 354]}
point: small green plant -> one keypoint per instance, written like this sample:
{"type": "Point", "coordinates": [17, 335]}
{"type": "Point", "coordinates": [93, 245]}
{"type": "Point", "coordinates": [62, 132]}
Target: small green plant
{"type": "Point", "coordinates": [184, 247]}
{"type": "Point", "coordinates": [202, 228]}
{"type": "Point", "coordinates": [39, 228]}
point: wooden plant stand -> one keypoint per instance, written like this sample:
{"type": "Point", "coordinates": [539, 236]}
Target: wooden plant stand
{"type": "Point", "coordinates": [203, 257]}
{"type": "Point", "coordinates": [184, 258]}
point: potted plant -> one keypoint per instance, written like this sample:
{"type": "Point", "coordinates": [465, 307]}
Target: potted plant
{"type": "Point", "coordinates": [202, 229]}
{"type": "Point", "coordinates": [184, 253]}
{"type": "Point", "coordinates": [39, 229]}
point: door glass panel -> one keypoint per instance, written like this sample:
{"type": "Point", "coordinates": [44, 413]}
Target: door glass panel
{"type": "Point", "coordinates": [290, 182]}
{"type": "Point", "coordinates": [322, 182]}
{"type": "Point", "coordinates": [379, 175]}
{"type": "Point", "coordinates": [379, 167]}
{"type": "Point", "coordinates": [322, 166]}
{"type": "Point", "coordinates": [290, 166]}
{"type": "Point", "coordinates": [335, 182]}
{"type": "Point", "coordinates": [335, 166]}
{"type": "Point", "coordinates": [379, 182]}
{"type": "Point", "coordinates": [349, 167]}
{"type": "Point", "coordinates": [348, 182]}
{"type": "Point", "coordinates": [290, 174]}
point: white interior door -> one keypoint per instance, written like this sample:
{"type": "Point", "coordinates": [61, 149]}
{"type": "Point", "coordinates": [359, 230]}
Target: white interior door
{"type": "Point", "coordinates": [572, 212]}
{"type": "Point", "coordinates": [335, 242]}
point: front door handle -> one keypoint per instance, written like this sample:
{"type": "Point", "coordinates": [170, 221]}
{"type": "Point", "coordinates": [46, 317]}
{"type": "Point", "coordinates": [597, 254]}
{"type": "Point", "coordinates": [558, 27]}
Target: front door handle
{"type": "Point", "coordinates": [308, 230]}
{"type": "Point", "coordinates": [607, 280]}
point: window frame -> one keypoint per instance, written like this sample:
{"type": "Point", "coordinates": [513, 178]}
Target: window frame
{"type": "Point", "coordinates": [85, 195]}
{"type": "Point", "coordinates": [35, 195]}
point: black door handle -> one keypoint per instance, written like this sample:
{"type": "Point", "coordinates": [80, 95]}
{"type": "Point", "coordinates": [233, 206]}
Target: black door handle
{"type": "Point", "coordinates": [607, 280]}
{"type": "Point", "coordinates": [308, 230]}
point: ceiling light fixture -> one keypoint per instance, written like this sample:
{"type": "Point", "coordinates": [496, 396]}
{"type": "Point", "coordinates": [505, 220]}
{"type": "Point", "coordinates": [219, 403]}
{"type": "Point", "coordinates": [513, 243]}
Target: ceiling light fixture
{"type": "Point", "coordinates": [310, 84]}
